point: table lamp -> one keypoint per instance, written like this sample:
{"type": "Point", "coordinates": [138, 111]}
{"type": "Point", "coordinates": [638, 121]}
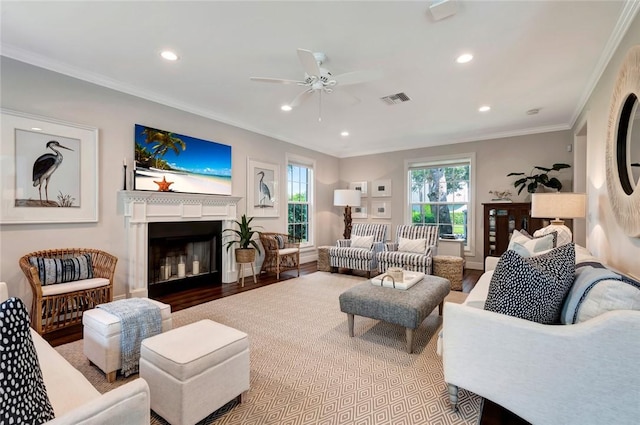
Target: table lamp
{"type": "Point", "coordinates": [559, 205]}
{"type": "Point", "coordinates": [346, 198]}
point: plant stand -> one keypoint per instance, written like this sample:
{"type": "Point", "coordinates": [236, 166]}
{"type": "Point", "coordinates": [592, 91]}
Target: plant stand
{"type": "Point", "coordinates": [245, 256]}
{"type": "Point", "coordinates": [241, 273]}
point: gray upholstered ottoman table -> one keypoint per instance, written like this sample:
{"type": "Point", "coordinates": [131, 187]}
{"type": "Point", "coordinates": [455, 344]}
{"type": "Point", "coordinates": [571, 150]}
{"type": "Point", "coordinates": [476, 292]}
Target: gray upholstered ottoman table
{"type": "Point", "coordinates": [406, 308]}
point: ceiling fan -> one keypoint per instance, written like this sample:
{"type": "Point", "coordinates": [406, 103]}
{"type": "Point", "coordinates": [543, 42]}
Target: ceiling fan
{"type": "Point", "coordinates": [318, 79]}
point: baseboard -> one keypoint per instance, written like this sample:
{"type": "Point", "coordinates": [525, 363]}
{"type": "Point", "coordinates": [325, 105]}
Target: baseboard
{"type": "Point", "coordinates": [473, 265]}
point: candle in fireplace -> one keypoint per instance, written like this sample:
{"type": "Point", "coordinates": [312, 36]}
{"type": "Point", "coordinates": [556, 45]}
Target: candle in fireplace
{"type": "Point", "coordinates": [182, 267]}
{"type": "Point", "coordinates": [195, 266]}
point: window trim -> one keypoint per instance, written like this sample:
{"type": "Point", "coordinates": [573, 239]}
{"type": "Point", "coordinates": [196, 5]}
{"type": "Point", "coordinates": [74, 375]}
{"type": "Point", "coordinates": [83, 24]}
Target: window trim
{"type": "Point", "coordinates": [445, 160]}
{"type": "Point", "coordinates": [294, 159]}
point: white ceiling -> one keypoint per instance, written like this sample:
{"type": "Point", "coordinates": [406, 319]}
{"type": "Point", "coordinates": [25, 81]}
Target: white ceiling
{"type": "Point", "coordinates": [527, 54]}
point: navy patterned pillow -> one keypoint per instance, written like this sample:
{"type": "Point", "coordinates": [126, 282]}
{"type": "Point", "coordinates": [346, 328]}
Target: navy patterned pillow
{"type": "Point", "coordinates": [23, 396]}
{"type": "Point", "coordinates": [532, 288]}
{"type": "Point", "coordinates": [58, 270]}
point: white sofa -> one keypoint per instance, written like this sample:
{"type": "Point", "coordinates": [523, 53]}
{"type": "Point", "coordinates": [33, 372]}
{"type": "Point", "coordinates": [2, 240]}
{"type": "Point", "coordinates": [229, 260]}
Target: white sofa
{"type": "Point", "coordinates": [586, 373]}
{"type": "Point", "coordinates": [76, 401]}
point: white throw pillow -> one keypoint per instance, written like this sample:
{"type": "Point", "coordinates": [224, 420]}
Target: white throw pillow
{"type": "Point", "coordinates": [526, 246]}
{"type": "Point", "coordinates": [361, 241]}
{"type": "Point", "coordinates": [412, 245]}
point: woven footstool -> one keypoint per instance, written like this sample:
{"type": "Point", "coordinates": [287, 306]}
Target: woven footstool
{"type": "Point", "coordinates": [323, 259]}
{"type": "Point", "coordinates": [450, 267]}
{"type": "Point", "coordinates": [194, 370]}
{"type": "Point", "coordinates": [101, 337]}
{"type": "Point", "coordinates": [406, 308]}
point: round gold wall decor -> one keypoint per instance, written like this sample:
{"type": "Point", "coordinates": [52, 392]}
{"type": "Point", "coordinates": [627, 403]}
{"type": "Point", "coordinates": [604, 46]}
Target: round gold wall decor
{"type": "Point", "coordinates": [624, 190]}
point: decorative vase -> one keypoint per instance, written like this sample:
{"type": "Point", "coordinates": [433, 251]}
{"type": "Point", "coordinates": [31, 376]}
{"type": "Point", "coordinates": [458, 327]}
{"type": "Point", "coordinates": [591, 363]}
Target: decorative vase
{"type": "Point", "coordinates": [396, 273]}
{"type": "Point", "coordinates": [245, 255]}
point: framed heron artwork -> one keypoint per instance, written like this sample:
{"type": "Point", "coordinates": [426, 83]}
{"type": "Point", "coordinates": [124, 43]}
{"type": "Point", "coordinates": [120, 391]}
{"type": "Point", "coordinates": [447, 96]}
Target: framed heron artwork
{"type": "Point", "coordinates": [49, 170]}
{"type": "Point", "coordinates": [172, 162]}
{"type": "Point", "coordinates": [262, 189]}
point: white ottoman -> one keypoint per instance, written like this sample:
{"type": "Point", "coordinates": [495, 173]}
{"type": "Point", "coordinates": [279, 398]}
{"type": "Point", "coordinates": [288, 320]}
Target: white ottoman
{"type": "Point", "coordinates": [194, 370]}
{"type": "Point", "coordinates": [102, 337]}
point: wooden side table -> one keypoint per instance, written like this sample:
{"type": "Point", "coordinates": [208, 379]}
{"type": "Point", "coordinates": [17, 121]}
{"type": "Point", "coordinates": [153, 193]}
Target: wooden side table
{"type": "Point", "coordinates": [451, 247]}
{"type": "Point", "coordinates": [323, 259]}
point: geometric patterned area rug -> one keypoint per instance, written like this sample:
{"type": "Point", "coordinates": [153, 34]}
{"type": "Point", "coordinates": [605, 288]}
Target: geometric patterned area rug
{"type": "Point", "coordinates": [305, 369]}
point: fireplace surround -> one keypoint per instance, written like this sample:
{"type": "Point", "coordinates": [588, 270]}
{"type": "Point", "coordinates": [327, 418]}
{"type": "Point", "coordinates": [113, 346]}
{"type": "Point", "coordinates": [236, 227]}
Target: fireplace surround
{"type": "Point", "coordinates": [141, 208]}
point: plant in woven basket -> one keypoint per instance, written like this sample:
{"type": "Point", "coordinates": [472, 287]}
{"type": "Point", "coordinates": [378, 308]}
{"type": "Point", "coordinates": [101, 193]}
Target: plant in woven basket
{"type": "Point", "coordinates": [245, 234]}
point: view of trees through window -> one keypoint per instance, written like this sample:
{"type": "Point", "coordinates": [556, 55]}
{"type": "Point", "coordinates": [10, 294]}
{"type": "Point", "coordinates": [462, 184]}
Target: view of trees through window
{"type": "Point", "coordinates": [299, 179]}
{"type": "Point", "coordinates": [440, 195]}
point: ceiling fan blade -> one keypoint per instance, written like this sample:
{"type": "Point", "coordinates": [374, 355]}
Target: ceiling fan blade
{"type": "Point", "coordinates": [308, 62]}
{"type": "Point", "coordinates": [357, 77]}
{"type": "Point", "coordinates": [301, 98]}
{"type": "Point", "coordinates": [275, 80]}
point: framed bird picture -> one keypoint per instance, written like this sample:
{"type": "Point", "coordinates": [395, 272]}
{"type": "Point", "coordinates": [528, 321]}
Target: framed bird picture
{"type": "Point", "coordinates": [262, 189]}
{"type": "Point", "coordinates": [49, 170]}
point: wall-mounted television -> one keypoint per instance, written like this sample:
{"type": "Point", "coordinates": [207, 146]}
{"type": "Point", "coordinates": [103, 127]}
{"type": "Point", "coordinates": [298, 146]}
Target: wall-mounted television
{"type": "Point", "coordinates": [178, 163]}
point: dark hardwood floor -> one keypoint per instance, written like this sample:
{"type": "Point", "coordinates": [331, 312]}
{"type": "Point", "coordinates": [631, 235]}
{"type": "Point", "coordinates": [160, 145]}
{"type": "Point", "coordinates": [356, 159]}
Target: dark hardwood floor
{"type": "Point", "coordinates": [492, 414]}
{"type": "Point", "coordinates": [188, 298]}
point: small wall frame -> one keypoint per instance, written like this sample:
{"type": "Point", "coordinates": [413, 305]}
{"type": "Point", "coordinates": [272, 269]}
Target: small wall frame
{"type": "Point", "coordinates": [381, 188]}
{"type": "Point", "coordinates": [381, 209]}
{"type": "Point", "coordinates": [361, 186]}
{"type": "Point", "coordinates": [359, 212]}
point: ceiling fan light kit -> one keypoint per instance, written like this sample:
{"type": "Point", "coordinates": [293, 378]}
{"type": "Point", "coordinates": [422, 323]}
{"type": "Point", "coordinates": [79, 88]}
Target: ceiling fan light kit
{"type": "Point", "coordinates": [318, 79]}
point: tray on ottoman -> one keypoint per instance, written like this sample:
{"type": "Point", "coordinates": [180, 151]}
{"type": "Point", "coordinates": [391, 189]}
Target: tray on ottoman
{"type": "Point", "coordinates": [409, 278]}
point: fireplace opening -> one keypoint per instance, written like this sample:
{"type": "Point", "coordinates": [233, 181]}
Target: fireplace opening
{"type": "Point", "coordinates": [183, 255]}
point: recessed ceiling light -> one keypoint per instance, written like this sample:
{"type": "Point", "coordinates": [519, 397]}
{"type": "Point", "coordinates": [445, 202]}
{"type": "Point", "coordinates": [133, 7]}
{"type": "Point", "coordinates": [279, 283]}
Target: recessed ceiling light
{"type": "Point", "coordinates": [36, 129]}
{"type": "Point", "coordinates": [464, 58]}
{"type": "Point", "coordinates": [484, 108]}
{"type": "Point", "coordinates": [169, 55]}
{"type": "Point", "coordinates": [344, 133]}
{"type": "Point", "coordinates": [286, 108]}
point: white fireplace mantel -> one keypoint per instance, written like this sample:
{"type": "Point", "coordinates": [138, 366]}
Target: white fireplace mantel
{"type": "Point", "coordinates": [142, 207]}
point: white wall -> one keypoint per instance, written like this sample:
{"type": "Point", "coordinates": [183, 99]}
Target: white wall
{"type": "Point", "coordinates": [37, 91]}
{"type": "Point", "coordinates": [605, 238]}
{"type": "Point", "coordinates": [494, 160]}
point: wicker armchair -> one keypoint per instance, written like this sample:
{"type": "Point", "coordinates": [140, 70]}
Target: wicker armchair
{"type": "Point", "coordinates": [281, 253]}
{"type": "Point", "coordinates": [61, 305]}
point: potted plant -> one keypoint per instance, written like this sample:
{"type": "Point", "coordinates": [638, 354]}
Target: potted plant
{"type": "Point", "coordinates": [532, 181]}
{"type": "Point", "coordinates": [245, 253]}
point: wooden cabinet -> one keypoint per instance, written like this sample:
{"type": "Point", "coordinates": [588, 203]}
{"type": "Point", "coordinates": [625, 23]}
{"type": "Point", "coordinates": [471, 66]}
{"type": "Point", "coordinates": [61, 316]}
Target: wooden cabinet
{"type": "Point", "coordinates": [501, 219]}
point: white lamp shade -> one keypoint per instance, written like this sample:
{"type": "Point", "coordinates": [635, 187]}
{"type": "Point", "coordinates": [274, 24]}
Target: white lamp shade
{"type": "Point", "coordinates": [346, 197]}
{"type": "Point", "coordinates": [558, 205]}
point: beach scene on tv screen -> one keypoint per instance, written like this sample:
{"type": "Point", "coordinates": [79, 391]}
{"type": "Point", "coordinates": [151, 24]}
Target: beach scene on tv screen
{"type": "Point", "coordinates": [178, 163]}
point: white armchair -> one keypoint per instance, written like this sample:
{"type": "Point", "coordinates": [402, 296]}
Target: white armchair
{"type": "Point", "coordinates": [412, 249]}
{"type": "Point", "coordinates": [359, 252]}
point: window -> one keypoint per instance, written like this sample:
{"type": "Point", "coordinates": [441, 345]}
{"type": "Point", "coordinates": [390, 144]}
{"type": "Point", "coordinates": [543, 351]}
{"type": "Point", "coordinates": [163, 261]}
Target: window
{"type": "Point", "coordinates": [440, 193]}
{"type": "Point", "coordinates": [300, 200]}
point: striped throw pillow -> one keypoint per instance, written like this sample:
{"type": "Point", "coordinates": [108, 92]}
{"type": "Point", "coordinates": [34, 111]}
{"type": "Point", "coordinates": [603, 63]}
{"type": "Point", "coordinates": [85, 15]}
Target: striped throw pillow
{"type": "Point", "coordinates": [61, 270]}
{"type": "Point", "coordinates": [280, 240]}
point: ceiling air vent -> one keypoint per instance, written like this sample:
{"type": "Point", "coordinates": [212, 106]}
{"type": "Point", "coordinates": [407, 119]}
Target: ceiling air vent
{"type": "Point", "coordinates": [394, 99]}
